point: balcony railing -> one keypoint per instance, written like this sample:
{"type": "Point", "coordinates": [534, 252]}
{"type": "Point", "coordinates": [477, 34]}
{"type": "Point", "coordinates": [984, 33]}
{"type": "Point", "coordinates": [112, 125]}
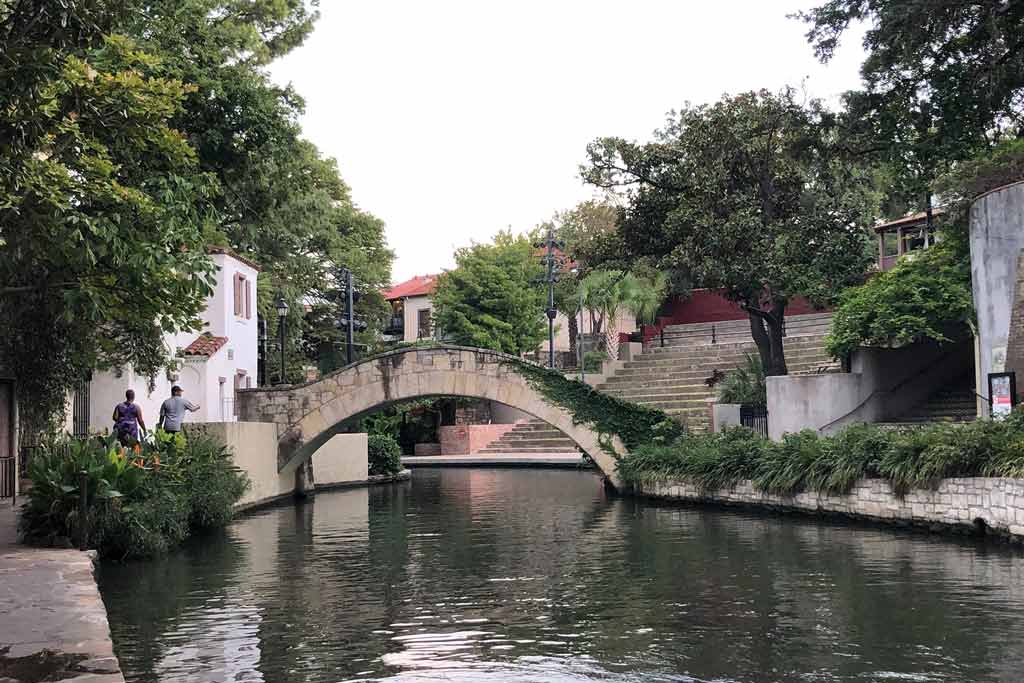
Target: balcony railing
{"type": "Point", "coordinates": [396, 325]}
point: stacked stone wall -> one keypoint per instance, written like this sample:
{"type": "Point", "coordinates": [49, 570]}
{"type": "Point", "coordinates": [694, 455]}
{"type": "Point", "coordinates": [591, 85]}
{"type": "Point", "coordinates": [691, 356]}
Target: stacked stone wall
{"type": "Point", "coordinates": [998, 503]}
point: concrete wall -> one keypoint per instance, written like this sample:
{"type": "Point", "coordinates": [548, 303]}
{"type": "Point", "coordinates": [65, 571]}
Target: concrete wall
{"type": "Point", "coordinates": [339, 461]}
{"type": "Point", "coordinates": [997, 237]}
{"type": "Point", "coordinates": [882, 385]}
{"type": "Point", "coordinates": [503, 414]}
{"type": "Point", "coordinates": [254, 448]}
{"type": "Point", "coordinates": [467, 439]}
{"type": "Point", "coordinates": [999, 503]}
{"type": "Point", "coordinates": [410, 310]}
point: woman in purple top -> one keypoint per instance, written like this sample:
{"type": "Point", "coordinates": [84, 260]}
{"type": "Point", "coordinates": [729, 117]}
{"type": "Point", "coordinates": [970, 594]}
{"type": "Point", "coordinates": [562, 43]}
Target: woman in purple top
{"type": "Point", "coordinates": [128, 420]}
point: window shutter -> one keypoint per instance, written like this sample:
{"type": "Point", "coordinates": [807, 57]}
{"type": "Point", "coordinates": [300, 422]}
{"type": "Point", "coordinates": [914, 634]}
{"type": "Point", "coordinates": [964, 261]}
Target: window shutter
{"type": "Point", "coordinates": [248, 301]}
{"type": "Point", "coordinates": [238, 297]}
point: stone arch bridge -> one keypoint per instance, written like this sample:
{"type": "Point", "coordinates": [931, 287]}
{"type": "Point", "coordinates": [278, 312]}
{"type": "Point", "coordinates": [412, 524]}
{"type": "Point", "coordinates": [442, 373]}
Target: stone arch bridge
{"type": "Point", "coordinates": [308, 415]}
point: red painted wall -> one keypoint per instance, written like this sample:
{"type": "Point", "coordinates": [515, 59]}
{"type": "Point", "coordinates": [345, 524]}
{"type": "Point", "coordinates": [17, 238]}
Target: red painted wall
{"type": "Point", "coordinates": [709, 306]}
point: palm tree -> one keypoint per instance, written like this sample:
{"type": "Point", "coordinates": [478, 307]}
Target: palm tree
{"type": "Point", "coordinates": [607, 292]}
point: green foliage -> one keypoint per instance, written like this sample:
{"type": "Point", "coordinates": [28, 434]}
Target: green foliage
{"type": "Point", "coordinates": [751, 194]}
{"type": "Point", "coordinates": [607, 292]}
{"type": "Point", "coordinates": [924, 297]}
{"type": "Point", "coordinates": [634, 424]}
{"type": "Point", "coordinates": [942, 80]}
{"type": "Point", "coordinates": [744, 384]}
{"type": "Point", "coordinates": [103, 204]}
{"type": "Point", "coordinates": [140, 502]}
{"type": "Point", "coordinates": [908, 458]}
{"type": "Point", "coordinates": [594, 360]}
{"type": "Point", "coordinates": [492, 299]}
{"type": "Point", "coordinates": [384, 454]}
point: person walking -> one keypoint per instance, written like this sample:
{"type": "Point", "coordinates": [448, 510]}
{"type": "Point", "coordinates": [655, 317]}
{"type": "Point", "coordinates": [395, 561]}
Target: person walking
{"type": "Point", "coordinates": [172, 411]}
{"type": "Point", "coordinates": [128, 419]}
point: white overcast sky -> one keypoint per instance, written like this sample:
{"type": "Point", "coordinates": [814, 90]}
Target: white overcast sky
{"type": "Point", "coordinates": [452, 120]}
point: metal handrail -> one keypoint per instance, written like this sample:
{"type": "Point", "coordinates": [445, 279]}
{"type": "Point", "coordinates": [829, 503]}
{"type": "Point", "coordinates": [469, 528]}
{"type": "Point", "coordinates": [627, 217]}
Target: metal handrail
{"type": "Point", "coordinates": [882, 392]}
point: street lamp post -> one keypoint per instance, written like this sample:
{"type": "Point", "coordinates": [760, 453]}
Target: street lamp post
{"type": "Point", "coordinates": [579, 330]}
{"type": "Point", "coordinates": [282, 316]}
{"type": "Point", "coordinates": [261, 374]}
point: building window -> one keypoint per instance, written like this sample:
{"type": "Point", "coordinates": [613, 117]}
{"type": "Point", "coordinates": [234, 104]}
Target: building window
{"type": "Point", "coordinates": [913, 239]}
{"type": "Point", "coordinates": [423, 323]}
{"type": "Point", "coordinates": [243, 296]}
{"type": "Point", "coordinates": [890, 244]}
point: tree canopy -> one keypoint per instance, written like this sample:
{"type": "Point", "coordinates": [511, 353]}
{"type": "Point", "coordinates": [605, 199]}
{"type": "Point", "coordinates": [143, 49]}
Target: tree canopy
{"type": "Point", "coordinates": [492, 299]}
{"type": "Point", "coordinates": [750, 194]}
{"type": "Point", "coordinates": [134, 135]}
{"type": "Point", "coordinates": [103, 206]}
{"type": "Point", "coordinates": [942, 80]}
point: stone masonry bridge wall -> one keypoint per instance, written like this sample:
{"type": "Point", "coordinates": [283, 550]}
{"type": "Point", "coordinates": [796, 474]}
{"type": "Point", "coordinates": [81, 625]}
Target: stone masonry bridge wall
{"type": "Point", "coordinates": [307, 415]}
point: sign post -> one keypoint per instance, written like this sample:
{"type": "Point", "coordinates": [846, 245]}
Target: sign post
{"type": "Point", "coordinates": [1002, 391]}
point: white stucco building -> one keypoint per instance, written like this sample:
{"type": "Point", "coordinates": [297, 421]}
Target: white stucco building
{"type": "Point", "coordinates": [211, 362]}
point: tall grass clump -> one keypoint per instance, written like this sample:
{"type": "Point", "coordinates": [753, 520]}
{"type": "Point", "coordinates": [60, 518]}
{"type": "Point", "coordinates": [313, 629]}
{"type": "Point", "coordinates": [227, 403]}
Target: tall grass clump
{"type": "Point", "coordinates": [908, 458]}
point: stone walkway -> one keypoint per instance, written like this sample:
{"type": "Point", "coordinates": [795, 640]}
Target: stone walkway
{"type": "Point", "coordinates": [53, 625]}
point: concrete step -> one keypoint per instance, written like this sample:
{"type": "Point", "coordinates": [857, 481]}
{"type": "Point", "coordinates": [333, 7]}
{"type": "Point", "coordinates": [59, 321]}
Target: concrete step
{"type": "Point", "coordinates": [532, 449]}
{"type": "Point", "coordinates": [530, 443]}
{"type": "Point", "coordinates": [642, 392]}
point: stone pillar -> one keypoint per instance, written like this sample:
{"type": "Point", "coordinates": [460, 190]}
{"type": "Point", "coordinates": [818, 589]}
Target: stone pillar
{"type": "Point", "coordinates": [304, 482]}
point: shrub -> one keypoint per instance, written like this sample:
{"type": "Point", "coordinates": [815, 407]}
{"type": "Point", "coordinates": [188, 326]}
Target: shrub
{"type": "Point", "coordinates": [745, 384]}
{"type": "Point", "coordinates": [384, 455]}
{"type": "Point", "coordinates": [139, 502]}
{"type": "Point", "coordinates": [927, 297]}
{"type": "Point", "coordinates": [908, 458]}
{"type": "Point", "coordinates": [593, 360]}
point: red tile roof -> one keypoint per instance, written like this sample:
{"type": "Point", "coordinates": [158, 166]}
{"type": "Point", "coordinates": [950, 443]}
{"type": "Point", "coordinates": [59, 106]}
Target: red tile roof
{"type": "Point", "coordinates": [420, 285]}
{"type": "Point", "coordinates": [205, 345]}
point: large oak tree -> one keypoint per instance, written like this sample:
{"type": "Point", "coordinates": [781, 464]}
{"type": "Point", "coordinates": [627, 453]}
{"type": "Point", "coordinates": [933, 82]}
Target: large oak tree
{"type": "Point", "coordinates": [750, 195]}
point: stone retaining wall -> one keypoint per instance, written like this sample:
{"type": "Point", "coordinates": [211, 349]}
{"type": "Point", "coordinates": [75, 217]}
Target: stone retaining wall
{"type": "Point", "coordinates": [998, 503]}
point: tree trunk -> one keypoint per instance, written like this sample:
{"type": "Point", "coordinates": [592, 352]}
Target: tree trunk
{"type": "Point", "coordinates": [766, 329]}
{"type": "Point", "coordinates": [574, 330]}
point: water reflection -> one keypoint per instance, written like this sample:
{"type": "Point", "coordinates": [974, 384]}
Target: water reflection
{"type": "Point", "coordinates": [508, 575]}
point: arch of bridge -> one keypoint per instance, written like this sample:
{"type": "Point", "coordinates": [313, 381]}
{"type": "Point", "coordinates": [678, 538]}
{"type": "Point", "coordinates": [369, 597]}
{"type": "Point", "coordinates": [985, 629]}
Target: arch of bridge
{"type": "Point", "coordinates": [308, 415]}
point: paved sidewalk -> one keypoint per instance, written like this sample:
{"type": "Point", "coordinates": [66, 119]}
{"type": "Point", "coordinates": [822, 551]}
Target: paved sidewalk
{"type": "Point", "coordinates": [560, 460]}
{"type": "Point", "coordinates": [53, 625]}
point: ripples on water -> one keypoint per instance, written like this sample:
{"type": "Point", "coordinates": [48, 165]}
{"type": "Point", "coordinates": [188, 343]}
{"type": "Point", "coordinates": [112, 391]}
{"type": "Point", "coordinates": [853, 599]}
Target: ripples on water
{"type": "Point", "coordinates": [537, 576]}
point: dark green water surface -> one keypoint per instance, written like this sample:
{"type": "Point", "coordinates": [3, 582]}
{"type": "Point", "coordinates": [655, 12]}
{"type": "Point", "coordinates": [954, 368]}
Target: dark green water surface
{"type": "Point", "coordinates": [518, 575]}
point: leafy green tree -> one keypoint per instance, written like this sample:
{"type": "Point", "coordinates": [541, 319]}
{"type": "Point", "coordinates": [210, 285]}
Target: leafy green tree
{"type": "Point", "coordinates": [492, 298]}
{"type": "Point", "coordinates": [942, 81]}
{"type": "Point", "coordinates": [924, 297]}
{"type": "Point", "coordinates": [278, 199]}
{"type": "Point", "coordinates": [751, 195]}
{"type": "Point", "coordinates": [103, 205]}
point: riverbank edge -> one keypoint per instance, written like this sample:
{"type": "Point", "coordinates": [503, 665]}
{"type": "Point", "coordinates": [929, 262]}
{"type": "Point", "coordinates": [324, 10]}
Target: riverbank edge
{"type": "Point", "coordinates": [290, 496]}
{"type": "Point", "coordinates": [989, 506]}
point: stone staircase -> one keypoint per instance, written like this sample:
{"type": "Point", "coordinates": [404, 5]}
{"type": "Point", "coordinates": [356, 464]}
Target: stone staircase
{"type": "Point", "coordinates": [674, 377]}
{"type": "Point", "coordinates": [955, 403]}
{"type": "Point", "coordinates": [531, 436]}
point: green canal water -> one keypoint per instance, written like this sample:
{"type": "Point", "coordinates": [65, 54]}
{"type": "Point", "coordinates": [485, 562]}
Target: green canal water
{"type": "Point", "coordinates": [516, 575]}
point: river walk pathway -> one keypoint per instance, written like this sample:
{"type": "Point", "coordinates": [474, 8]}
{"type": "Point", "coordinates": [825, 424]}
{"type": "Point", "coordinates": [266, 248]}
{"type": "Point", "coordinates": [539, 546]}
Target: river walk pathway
{"type": "Point", "coordinates": [53, 624]}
